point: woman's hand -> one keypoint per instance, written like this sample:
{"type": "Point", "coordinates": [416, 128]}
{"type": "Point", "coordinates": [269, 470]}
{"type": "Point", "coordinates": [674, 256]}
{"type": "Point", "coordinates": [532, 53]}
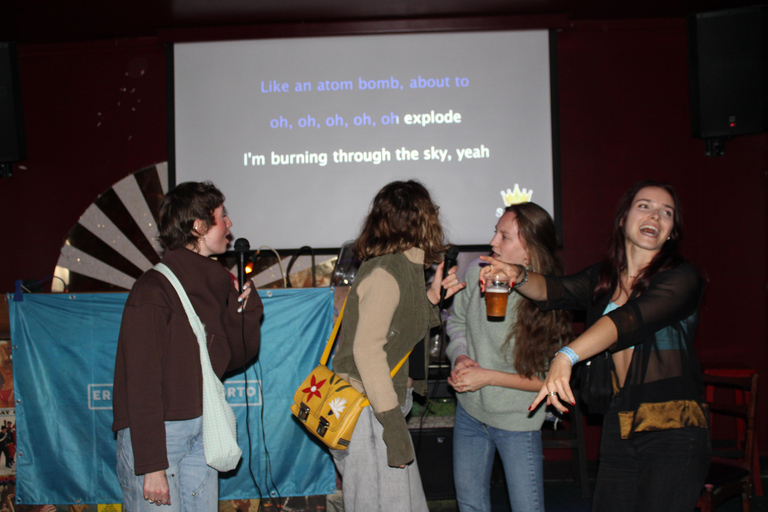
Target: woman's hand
{"type": "Point", "coordinates": [534, 286]}
{"type": "Point", "coordinates": [462, 362]}
{"type": "Point", "coordinates": [243, 298]}
{"type": "Point", "coordinates": [471, 379]}
{"type": "Point", "coordinates": [557, 385]}
{"type": "Point", "coordinates": [494, 265]}
{"type": "Point", "coordinates": [450, 284]}
{"type": "Point", "coordinates": [156, 488]}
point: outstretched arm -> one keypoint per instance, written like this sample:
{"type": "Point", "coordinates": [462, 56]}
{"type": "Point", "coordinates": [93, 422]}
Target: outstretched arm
{"type": "Point", "coordinates": [557, 386]}
{"type": "Point", "coordinates": [534, 288]}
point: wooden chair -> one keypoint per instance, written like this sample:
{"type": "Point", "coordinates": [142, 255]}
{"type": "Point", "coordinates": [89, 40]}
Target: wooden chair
{"type": "Point", "coordinates": [570, 438]}
{"type": "Point", "coordinates": [730, 472]}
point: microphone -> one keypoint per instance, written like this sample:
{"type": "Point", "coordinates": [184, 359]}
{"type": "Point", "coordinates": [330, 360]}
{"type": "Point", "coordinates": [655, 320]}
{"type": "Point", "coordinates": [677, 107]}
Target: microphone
{"type": "Point", "coordinates": [241, 248]}
{"type": "Point", "coordinates": [449, 261]}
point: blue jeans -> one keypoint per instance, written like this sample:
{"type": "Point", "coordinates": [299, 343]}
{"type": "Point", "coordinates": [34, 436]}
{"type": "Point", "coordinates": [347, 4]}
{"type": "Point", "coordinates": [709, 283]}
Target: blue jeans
{"type": "Point", "coordinates": [474, 448]}
{"type": "Point", "coordinates": [649, 471]}
{"type": "Point", "coordinates": [194, 486]}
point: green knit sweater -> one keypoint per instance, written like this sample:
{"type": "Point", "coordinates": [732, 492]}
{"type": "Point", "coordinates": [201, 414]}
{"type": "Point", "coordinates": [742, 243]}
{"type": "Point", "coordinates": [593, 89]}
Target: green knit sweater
{"type": "Point", "coordinates": [473, 335]}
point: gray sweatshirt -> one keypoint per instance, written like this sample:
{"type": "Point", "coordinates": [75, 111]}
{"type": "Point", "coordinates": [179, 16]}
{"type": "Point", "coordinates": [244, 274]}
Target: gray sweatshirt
{"type": "Point", "coordinates": [473, 335]}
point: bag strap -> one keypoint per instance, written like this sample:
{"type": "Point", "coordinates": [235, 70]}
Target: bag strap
{"type": "Point", "coordinates": [332, 339]}
{"type": "Point", "coordinates": [194, 320]}
{"type": "Point", "coordinates": [336, 326]}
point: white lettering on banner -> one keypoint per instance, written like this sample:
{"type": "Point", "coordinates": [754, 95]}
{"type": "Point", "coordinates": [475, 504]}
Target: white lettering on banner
{"type": "Point", "coordinates": [240, 396]}
{"type": "Point", "coordinates": [99, 397]}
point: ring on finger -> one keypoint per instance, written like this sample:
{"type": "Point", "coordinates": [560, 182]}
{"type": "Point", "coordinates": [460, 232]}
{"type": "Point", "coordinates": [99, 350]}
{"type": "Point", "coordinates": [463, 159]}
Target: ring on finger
{"type": "Point", "coordinates": [552, 393]}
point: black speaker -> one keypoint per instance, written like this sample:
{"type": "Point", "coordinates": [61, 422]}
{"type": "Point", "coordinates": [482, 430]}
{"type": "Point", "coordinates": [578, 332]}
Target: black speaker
{"type": "Point", "coordinates": [727, 60]}
{"type": "Point", "coordinates": [13, 146]}
{"type": "Point", "coordinates": [434, 453]}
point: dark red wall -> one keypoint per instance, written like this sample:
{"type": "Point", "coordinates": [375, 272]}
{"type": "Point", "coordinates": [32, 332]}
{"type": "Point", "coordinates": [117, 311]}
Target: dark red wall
{"type": "Point", "coordinates": [624, 116]}
{"type": "Point", "coordinates": [96, 112]}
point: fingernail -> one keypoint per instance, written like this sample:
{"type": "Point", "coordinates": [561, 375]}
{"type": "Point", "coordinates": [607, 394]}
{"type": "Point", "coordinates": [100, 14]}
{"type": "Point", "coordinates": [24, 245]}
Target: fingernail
{"type": "Point", "coordinates": [530, 407]}
{"type": "Point", "coordinates": [239, 310]}
{"type": "Point", "coordinates": [239, 299]}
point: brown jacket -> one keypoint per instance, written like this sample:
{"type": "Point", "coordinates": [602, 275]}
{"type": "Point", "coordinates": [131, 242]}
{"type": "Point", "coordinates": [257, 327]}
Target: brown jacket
{"type": "Point", "coordinates": [157, 369]}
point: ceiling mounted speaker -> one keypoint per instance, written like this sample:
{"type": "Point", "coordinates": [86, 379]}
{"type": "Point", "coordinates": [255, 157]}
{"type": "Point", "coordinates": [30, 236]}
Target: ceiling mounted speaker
{"type": "Point", "coordinates": [727, 56]}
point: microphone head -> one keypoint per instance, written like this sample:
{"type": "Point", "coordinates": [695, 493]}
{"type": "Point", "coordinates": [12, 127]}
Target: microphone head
{"type": "Point", "coordinates": [449, 260]}
{"type": "Point", "coordinates": [452, 253]}
{"type": "Point", "coordinates": [242, 245]}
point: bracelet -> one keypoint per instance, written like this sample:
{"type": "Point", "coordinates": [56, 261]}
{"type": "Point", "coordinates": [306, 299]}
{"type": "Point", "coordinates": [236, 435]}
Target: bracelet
{"type": "Point", "coordinates": [521, 282]}
{"type": "Point", "coordinates": [568, 352]}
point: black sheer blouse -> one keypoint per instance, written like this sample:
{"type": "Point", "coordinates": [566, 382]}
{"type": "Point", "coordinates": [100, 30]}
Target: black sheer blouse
{"type": "Point", "coordinates": [663, 388]}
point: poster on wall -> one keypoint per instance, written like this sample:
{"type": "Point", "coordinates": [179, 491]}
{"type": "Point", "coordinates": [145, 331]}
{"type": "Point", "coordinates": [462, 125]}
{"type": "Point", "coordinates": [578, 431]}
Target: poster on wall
{"type": "Point", "coordinates": [7, 442]}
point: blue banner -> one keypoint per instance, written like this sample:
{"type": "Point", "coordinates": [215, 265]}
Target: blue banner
{"type": "Point", "coordinates": [63, 358]}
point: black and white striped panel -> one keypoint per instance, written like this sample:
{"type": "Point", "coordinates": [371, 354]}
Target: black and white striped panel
{"type": "Point", "coordinates": [115, 240]}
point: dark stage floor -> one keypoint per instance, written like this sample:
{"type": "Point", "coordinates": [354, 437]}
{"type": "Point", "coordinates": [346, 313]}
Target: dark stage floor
{"type": "Point", "coordinates": [563, 495]}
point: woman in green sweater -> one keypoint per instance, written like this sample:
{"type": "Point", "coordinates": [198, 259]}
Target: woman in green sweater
{"type": "Point", "coordinates": [497, 368]}
{"type": "Point", "coordinates": [389, 310]}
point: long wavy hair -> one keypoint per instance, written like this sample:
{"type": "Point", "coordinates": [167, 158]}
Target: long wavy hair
{"type": "Point", "coordinates": [615, 261]}
{"type": "Point", "coordinates": [537, 334]}
{"type": "Point", "coordinates": [402, 216]}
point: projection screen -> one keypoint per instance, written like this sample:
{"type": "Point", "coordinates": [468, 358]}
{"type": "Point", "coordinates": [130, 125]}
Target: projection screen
{"type": "Point", "coordinates": [301, 133]}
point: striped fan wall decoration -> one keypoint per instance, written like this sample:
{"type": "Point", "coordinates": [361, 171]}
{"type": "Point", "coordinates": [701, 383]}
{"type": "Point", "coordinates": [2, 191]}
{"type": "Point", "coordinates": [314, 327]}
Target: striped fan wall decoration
{"type": "Point", "coordinates": [115, 240]}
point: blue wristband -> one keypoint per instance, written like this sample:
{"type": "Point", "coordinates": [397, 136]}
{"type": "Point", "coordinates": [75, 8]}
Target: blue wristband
{"type": "Point", "coordinates": [568, 352]}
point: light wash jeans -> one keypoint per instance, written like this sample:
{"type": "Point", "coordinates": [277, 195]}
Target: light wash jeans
{"type": "Point", "coordinates": [194, 485]}
{"type": "Point", "coordinates": [474, 448]}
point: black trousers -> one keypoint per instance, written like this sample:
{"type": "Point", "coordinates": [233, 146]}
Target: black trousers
{"type": "Point", "coordinates": [661, 471]}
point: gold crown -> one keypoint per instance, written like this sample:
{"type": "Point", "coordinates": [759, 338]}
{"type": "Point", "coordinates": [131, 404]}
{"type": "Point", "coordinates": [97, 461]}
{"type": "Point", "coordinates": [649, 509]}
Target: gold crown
{"type": "Point", "coordinates": [517, 196]}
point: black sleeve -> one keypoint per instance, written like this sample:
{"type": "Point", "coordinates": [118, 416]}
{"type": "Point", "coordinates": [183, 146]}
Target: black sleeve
{"type": "Point", "coordinates": [672, 296]}
{"type": "Point", "coordinates": [572, 292]}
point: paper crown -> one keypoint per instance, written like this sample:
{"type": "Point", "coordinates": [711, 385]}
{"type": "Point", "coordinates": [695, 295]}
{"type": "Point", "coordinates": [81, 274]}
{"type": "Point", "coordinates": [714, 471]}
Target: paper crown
{"type": "Point", "coordinates": [516, 196]}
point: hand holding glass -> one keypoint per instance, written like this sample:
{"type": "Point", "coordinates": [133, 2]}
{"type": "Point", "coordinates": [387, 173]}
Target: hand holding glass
{"type": "Point", "coordinates": [496, 294]}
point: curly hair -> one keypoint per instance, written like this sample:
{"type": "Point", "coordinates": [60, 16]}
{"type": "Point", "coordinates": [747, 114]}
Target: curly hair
{"type": "Point", "coordinates": [537, 334]}
{"type": "Point", "coordinates": [615, 260]}
{"type": "Point", "coordinates": [181, 207]}
{"type": "Point", "coordinates": [402, 216]}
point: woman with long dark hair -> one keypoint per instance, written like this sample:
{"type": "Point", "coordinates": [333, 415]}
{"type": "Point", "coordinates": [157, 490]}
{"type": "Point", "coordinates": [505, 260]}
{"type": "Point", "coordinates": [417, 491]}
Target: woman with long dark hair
{"type": "Point", "coordinates": [642, 305]}
{"type": "Point", "coordinates": [389, 310]}
{"type": "Point", "coordinates": [498, 367]}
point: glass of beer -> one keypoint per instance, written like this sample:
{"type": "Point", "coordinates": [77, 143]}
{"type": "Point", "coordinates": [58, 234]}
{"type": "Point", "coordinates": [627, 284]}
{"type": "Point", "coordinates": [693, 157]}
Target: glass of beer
{"type": "Point", "coordinates": [496, 294]}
